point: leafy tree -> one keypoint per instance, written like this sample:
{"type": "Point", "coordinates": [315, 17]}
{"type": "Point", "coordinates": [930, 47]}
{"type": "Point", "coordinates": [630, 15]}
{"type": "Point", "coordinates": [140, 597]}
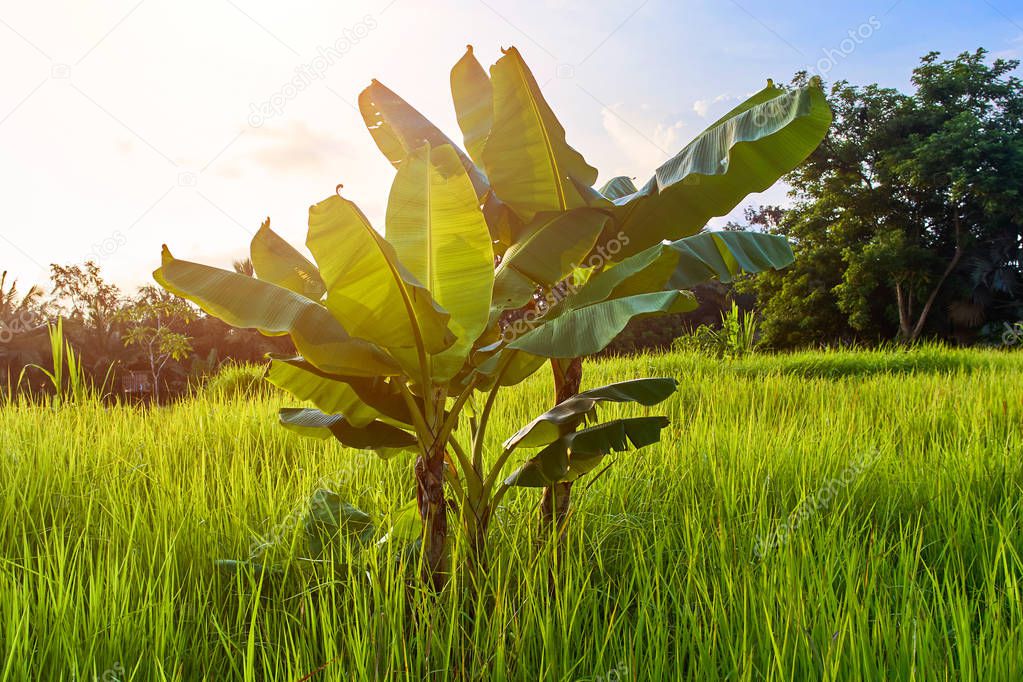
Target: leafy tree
{"type": "Point", "coordinates": [81, 293]}
{"type": "Point", "coordinates": [154, 322]}
{"type": "Point", "coordinates": [90, 304]}
{"type": "Point", "coordinates": [908, 212]}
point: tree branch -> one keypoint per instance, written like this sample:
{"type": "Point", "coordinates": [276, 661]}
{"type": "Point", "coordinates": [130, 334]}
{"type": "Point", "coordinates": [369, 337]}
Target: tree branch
{"type": "Point", "coordinates": [937, 287]}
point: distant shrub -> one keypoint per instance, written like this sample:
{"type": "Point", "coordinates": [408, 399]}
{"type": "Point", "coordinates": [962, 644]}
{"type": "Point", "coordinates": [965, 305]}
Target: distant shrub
{"type": "Point", "coordinates": [236, 381]}
{"type": "Point", "coordinates": [737, 336]}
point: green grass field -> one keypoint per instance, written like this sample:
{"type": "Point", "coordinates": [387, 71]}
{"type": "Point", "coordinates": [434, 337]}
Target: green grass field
{"type": "Point", "coordinates": [816, 516]}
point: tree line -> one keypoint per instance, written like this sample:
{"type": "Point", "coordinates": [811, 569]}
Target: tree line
{"type": "Point", "coordinates": [150, 344]}
{"type": "Point", "coordinates": [905, 223]}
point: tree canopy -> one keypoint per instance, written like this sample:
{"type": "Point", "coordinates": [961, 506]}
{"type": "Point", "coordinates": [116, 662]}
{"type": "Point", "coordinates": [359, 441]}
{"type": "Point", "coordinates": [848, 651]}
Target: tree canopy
{"type": "Point", "coordinates": [907, 219]}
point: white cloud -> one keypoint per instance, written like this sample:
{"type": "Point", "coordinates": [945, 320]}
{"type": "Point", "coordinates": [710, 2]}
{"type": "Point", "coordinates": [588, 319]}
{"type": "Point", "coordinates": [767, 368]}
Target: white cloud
{"type": "Point", "coordinates": [645, 146]}
{"type": "Point", "coordinates": [703, 107]}
{"type": "Point", "coordinates": [294, 148]}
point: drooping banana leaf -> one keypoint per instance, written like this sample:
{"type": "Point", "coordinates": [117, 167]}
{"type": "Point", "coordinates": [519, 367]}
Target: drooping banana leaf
{"type": "Point", "coordinates": [277, 262]}
{"type": "Point", "coordinates": [330, 519]}
{"type": "Point", "coordinates": [439, 234]}
{"type": "Point", "coordinates": [381, 438]}
{"type": "Point", "coordinates": [380, 394]}
{"type": "Point", "coordinates": [583, 331]}
{"type": "Point", "coordinates": [723, 255]}
{"type": "Point", "coordinates": [473, 96]}
{"type": "Point", "coordinates": [618, 187]}
{"type": "Point", "coordinates": [578, 453]}
{"type": "Point", "coordinates": [744, 153]}
{"type": "Point", "coordinates": [521, 367]}
{"type": "Point", "coordinates": [683, 264]}
{"type": "Point", "coordinates": [566, 416]}
{"type": "Point", "coordinates": [553, 246]}
{"type": "Point", "coordinates": [328, 395]}
{"type": "Point", "coordinates": [249, 303]}
{"type": "Point", "coordinates": [368, 288]}
{"type": "Point", "coordinates": [526, 158]}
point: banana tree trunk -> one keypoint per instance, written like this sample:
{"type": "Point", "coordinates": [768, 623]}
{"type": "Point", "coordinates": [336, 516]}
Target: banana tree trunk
{"type": "Point", "coordinates": [554, 505]}
{"type": "Point", "coordinates": [477, 523]}
{"type": "Point", "coordinates": [433, 512]}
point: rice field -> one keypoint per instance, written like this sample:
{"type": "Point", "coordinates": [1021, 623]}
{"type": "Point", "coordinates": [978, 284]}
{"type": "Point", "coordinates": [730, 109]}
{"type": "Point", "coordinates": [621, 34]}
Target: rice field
{"type": "Point", "coordinates": [829, 515]}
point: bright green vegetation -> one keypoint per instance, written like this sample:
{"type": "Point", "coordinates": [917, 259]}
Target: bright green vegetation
{"type": "Point", "coordinates": [397, 333]}
{"type": "Point", "coordinates": [112, 519]}
{"type": "Point", "coordinates": [865, 266]}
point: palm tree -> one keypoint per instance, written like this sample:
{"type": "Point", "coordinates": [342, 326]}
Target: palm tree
{"type": "Point", "coordinates": [18, 314]}
{"type": "Point", "coordinates": [11, 308]}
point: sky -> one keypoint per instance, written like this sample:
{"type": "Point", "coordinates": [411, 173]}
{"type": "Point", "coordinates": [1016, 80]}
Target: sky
{"type": "Point", "coordinates": [128, 124]}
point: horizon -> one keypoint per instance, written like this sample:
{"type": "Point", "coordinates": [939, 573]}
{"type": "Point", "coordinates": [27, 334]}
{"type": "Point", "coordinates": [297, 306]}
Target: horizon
{"type": "Point", "coordinates": [122, 169]}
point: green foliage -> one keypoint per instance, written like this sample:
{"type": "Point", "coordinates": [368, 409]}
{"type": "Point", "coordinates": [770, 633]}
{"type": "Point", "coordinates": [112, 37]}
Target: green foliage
{"type": "Point", "coordinates": [420, 313]}
{"type": "Point", "coordinates": [330, 517]}
{"type": "Point", "coordinates": [563, 418]}
{"type": "Point", "coordinates": [887, 360]}
{"type": "Point", "coordinates": [378, 436]}
{"type": "Point", "coordinates": [155, 322]}
{"type": "Point", "coordinates": [68, 379]}
{"type": "Point", "coordinates": [579, 452]}
{"type": "Point", "coordinates": [90, 305]}
{"type": "Point", "coordinates": [237, 382]}
{"type": "Point", "coordinates": [737, 336]}
{"type": "Point", "coordinates": [908, 218]}
{"type": "Point", "coordinates": [111, 334]}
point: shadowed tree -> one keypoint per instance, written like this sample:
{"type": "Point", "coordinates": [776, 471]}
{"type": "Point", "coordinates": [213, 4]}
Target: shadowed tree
{"type": "Point", "coordinates": [155, 322]}
{"type": "Point", "coordinates": [910, 210]}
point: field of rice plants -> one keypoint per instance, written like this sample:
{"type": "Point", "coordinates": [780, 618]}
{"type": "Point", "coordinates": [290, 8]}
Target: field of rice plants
{"type": "Point", "coordinates": [831, 515]}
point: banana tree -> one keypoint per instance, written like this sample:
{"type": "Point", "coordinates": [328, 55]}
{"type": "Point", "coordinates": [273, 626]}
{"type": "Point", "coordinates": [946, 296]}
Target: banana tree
{"type": "Point", "coordinates": [396, 334]}
{"type": "Point", "coordinates": [553, 232]}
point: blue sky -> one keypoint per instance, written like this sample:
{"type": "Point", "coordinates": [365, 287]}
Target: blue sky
{"type": "Point", "coordinates": [135, 123]}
